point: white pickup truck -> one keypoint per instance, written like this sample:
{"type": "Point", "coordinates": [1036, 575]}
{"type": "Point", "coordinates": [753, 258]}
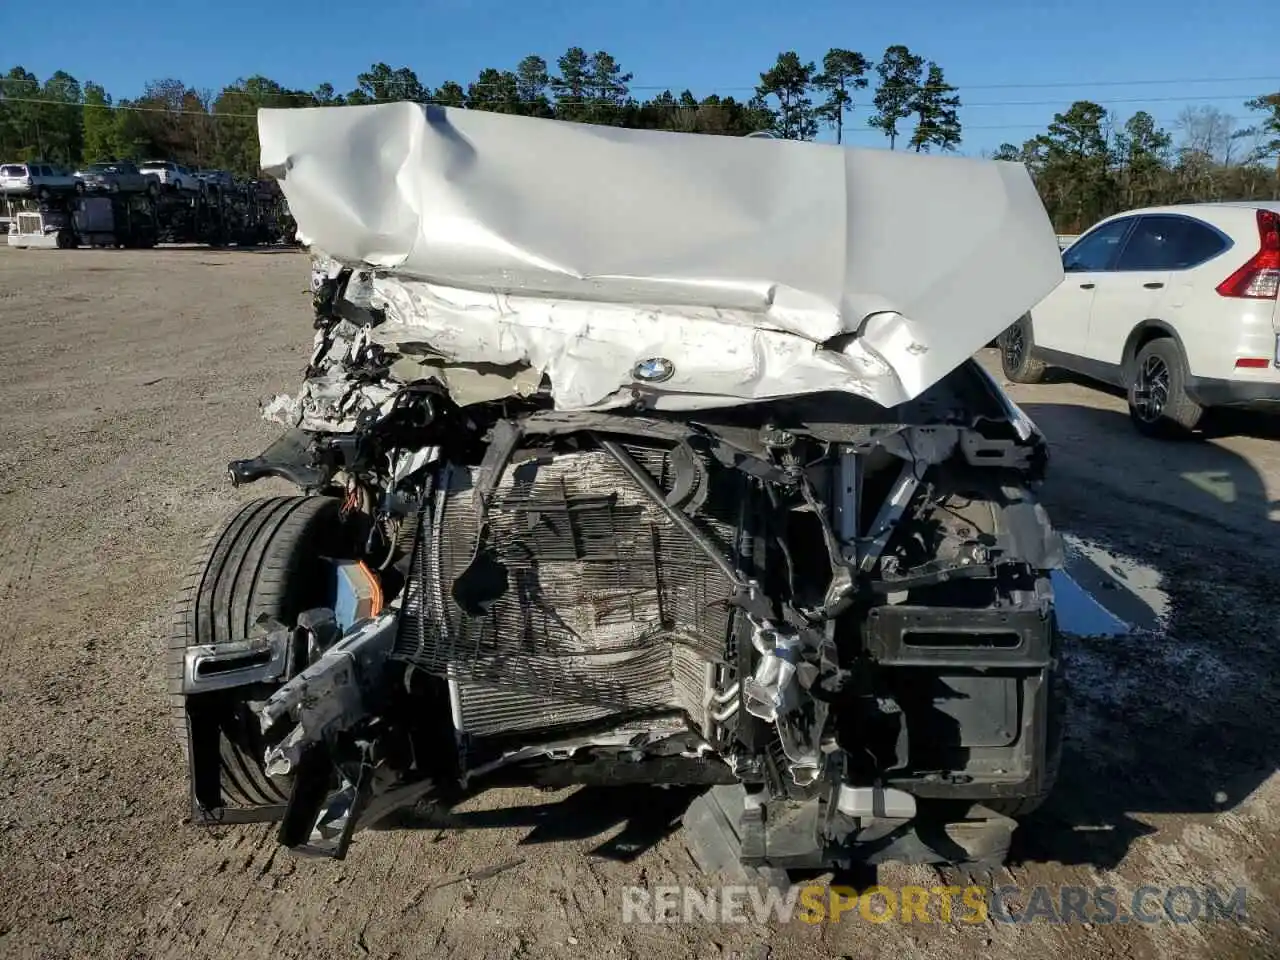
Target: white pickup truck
{"type": "Point", "coordinates": [38, 179]}
{"type": "Point", "coordinates": [172, 175]}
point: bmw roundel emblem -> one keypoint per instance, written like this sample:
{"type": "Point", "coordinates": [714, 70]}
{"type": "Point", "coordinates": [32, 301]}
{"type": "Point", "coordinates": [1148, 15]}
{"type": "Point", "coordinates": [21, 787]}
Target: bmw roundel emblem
{"type": "Point", "coordinates": [654, 370]}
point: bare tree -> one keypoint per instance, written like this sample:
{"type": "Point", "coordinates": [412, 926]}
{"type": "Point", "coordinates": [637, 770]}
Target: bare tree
{"type": "Point", "coordinates": [1207, 131]}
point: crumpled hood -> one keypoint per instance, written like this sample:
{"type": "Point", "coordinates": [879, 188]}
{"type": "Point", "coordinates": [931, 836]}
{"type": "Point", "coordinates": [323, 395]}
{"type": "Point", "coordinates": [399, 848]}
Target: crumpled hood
{"type": "Point", "coordinates": [752, 268]}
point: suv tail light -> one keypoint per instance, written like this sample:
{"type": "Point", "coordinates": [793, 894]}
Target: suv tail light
{"type": "Point", "coordinates": [1259, 278]}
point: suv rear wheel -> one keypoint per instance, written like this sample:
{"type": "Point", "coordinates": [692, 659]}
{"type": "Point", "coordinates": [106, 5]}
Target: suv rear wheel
{"type": "Point", "coordinates": [1016, 358]}
{"type": "Point", "coordinates": [1159, 405]}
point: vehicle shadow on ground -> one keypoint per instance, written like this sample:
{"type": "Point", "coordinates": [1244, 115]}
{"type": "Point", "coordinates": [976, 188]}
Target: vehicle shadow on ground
{"type": "Point", "coordinates": [1221, 422]}
{"type": "Point", "coordinates": [1174, 718]}
{"type": "Point", "coordinates": [1240, 423]}
{"type": "Point", "coordinates": [264, 250]}
{"type": "Point", "coordinates": [646, 814]}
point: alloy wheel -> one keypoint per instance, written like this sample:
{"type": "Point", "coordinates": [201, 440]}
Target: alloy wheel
{"type": "Point", "coordinates": [1015, 346]}
{"type": "Point", "coordinates": [1151, 389]}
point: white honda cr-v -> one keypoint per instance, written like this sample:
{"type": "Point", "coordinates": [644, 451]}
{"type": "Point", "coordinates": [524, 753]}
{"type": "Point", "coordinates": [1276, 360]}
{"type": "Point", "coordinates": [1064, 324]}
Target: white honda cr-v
{"type": "Point", "coordinates": [1177, 305]}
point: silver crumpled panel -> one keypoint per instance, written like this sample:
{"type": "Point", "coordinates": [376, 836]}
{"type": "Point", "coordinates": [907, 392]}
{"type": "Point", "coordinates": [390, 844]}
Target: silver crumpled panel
{"type": "Point", "coordinates": [756, 268]}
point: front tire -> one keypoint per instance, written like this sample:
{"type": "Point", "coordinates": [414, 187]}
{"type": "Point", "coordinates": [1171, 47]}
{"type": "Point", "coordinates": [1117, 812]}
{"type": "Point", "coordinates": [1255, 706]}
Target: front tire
{"type": "Point", "coordinates": [264, 559]}
{"type": "Point", "coordinates": [1159, 405]}
{"type": "Point", "coordinates": [1017, 353]}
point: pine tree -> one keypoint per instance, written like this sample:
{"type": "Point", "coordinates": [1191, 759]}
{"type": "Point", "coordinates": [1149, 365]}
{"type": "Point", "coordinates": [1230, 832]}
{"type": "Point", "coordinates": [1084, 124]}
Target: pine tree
{"type": "Point", "coordinates": [899, 71]}
{"type": "Point", "coordinates": [789, 81]}
{"type": "Point", "coordinates": [843, 71]}
{"type": "Point", "coordinates": [936, 108]}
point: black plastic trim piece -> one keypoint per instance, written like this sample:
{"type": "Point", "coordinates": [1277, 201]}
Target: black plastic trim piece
{"type": "Point", "coordinates": [289, 457]}
{"type": "Point", "coordinates": [889, 626]}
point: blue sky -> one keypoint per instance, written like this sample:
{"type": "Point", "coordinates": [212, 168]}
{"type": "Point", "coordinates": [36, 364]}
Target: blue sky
{"type": "Point", "coordinates": [1016, 63]}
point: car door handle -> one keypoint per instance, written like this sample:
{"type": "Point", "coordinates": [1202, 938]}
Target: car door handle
{"type": "Point", "coordinates": [1086, 286]}
{"type": "Point", "coordinates": [1153, 285]}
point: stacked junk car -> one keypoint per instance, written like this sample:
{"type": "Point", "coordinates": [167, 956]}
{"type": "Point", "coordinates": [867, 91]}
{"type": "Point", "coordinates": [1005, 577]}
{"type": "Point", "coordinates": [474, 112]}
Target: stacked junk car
{"type": "Point", "coordinates": [637, 459]}
{"type": "Point", "coordinates": [247, 214]}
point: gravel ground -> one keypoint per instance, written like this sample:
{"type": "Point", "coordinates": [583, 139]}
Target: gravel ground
{"type": "Point", "coordinates": [127, 381]}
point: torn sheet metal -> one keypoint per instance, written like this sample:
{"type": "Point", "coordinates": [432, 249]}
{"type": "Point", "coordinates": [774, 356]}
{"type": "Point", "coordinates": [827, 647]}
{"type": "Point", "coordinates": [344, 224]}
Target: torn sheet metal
{"type": "Point", "coordinates": [589, 250]}
{"type": "Point", "coordinates": [590, 351]}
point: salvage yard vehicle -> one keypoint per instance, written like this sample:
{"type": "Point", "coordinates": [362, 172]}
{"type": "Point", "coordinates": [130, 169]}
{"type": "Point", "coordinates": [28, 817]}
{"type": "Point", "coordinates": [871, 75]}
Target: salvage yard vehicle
{"type": "Point", "coordinates": [42, 180]}
{"type": "Point", "coordinates": [118, 176]}
{"type": "Point", "coordinates": [121, 220]}
{"type": "Point", "coordinates": [220, 179]}
{"type": "Point", "coordinates": [1176, 305]}
{"type": "Point", "coordinates": [47, 223]}
{"type": "Point", "coordinates": [172, 175]}
{"type": "Point", "coordinates": [639, 462]}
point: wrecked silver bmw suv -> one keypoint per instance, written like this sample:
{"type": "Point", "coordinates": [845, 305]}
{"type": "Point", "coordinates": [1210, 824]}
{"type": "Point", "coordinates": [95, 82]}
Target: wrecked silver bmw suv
{"type": "Point", "coordinates": [632, 458]}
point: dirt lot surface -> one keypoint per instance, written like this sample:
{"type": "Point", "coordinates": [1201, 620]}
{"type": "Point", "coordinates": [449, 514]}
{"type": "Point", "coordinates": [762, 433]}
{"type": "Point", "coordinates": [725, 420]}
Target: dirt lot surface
{"type": "Point", "coordinates": [128, 379]}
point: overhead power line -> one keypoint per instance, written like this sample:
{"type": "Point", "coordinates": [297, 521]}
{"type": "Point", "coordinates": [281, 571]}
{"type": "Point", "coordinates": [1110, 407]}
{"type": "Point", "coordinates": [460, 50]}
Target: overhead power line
{"type": "Point", "coordinates": [393, 84]}
{"type": "Point", "coordinates": [128, 106]}
{"type": "Point", "coordinates": [672, 105]}
{"type": "Point", "coordinates": [1240, 97]}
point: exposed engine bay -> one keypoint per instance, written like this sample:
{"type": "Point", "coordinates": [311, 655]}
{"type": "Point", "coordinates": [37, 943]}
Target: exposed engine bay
{"type": "Point", "coordinates": [833, 614]}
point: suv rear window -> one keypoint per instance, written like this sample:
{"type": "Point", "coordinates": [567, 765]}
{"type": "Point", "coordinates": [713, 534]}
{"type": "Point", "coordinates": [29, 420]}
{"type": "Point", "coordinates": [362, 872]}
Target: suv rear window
{"type": "Point", "coordinates": [1166, 242]}
{"type": "Point", "coordinates": [13, 170]}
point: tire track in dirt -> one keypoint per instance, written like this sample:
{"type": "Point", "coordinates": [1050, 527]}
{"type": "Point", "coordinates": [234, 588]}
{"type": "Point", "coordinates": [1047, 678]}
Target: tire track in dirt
{"type": "Point", "coordinates": [19, 554]}
{"type": "Point", "coordinates": [243, 884]}
{"type": "Point", "coordinates": [381, 889]}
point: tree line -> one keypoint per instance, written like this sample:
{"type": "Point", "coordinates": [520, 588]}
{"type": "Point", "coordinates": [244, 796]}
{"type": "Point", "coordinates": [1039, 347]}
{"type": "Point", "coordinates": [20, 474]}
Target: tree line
{"type": "Point", "coordinates": [1087, 163]}
{"type": "Point", "coordinates": [63, 120]}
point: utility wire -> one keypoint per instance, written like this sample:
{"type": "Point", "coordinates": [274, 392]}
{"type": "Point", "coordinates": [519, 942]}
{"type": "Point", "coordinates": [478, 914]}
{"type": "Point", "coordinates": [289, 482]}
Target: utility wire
{"type": "Point", "coordinates": [393, 84]}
